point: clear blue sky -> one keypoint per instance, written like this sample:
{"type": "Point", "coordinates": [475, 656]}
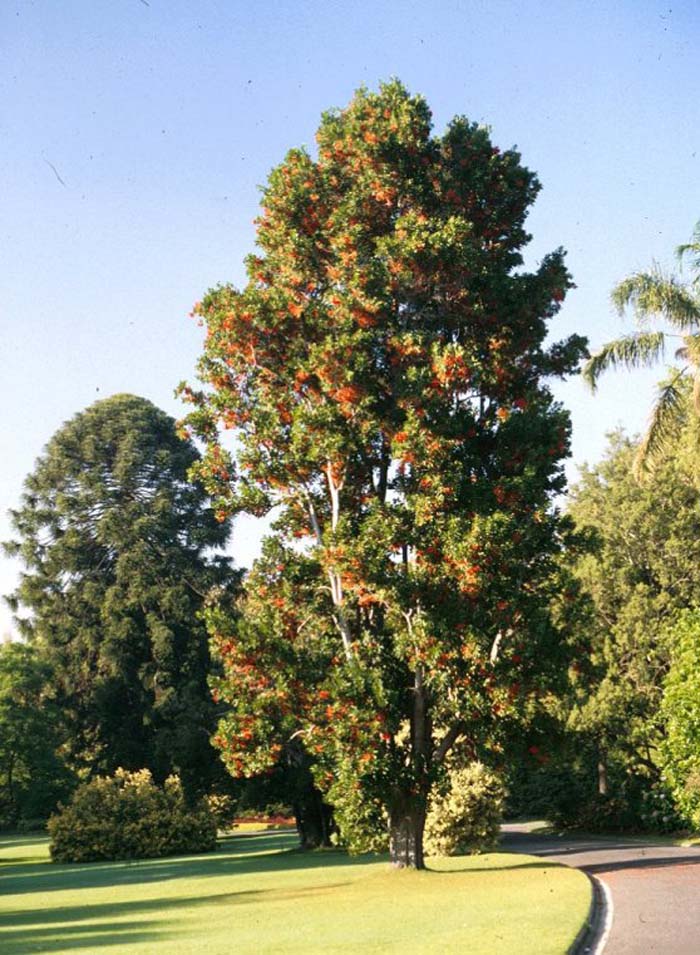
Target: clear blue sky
{"type": "Point", "coordinates": [161, 117]}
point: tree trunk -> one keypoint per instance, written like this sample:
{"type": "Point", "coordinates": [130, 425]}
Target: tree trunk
{"type": "Point", "coordinates": [602, 777]}
{"type": "Point", "coordinates": [313, 816]}
{"type": "Point", "coordinates": [407, 814]}
{"type": "Point", "coordinates": [406, 837]}
{"type": "Point", "coordinates": [314, 819]}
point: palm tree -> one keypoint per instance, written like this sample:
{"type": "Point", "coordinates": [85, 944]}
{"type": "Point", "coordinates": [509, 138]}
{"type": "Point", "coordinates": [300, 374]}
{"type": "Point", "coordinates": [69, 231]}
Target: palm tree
{"type": "Point", "coordinates": [658, 297]}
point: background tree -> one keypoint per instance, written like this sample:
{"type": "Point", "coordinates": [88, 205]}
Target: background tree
{"type": "Point", "coordinates": [657, 296]}
{"type": "Point", "coordinates": [117, 543]}
{"type": "Point", "coordinates": [681, 714]}
{"type": "Point", "coordinates": [383, 370]}
{"type": "Point", "coordinates": [644, 571]}
{"type": "Point", "coordinates": [260, 711]}
{"type": "Point", "coordinates": [33, 776]}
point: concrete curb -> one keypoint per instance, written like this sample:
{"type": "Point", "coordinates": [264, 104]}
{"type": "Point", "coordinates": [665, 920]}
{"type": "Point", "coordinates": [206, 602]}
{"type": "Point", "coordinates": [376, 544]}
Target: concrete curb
{"type": "Point", "coordinates": [593, 934]}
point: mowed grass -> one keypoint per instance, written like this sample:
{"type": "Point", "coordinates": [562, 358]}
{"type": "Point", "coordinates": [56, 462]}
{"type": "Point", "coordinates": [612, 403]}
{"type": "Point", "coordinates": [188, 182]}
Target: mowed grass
{"type": "Point", "coordinates": [256, 894]}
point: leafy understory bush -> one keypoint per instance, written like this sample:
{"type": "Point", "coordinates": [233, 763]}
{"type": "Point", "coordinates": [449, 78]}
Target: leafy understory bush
{"type": "Point", "coordinates": [659, 813]}
{"type": "Point", "coordinates": [680, 709]}
{"type": "Point", "coordinates": [465, 818]}
{"type": "Point", "coordinates": [223, 808]}
{"type": "Point", "coordinates": [127, 816]}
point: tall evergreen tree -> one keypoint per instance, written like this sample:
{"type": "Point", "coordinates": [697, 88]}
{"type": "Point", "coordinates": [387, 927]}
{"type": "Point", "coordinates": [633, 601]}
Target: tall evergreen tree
{"type": "Point", "coordinates": [117, 545]}
{"type": "Point", "coordinates": [384, 372]}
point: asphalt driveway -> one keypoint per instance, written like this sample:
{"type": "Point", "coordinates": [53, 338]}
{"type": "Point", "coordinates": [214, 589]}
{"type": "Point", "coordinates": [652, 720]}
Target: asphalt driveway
{"type": "Point", "coordinates": [655, 888]}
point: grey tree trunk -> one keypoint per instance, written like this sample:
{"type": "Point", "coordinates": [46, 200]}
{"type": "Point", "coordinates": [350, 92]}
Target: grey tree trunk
{"type": "Point", "coordinates": [406, 826]}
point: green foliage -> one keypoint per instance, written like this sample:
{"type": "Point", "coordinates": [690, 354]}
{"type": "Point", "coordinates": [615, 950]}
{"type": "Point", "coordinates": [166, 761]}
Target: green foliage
{"type": "Point", "coordinates": [668, 415]}
{"type": "Point", "coordinates": [467, 816]}
{"type": "Point", "coordinates": [222, 807]}
{"type": "Point", "coordinates": [642, 572]}
{"type": "Point", "coordinates": [564, 789]}
{"type": "Point", "coordinates": [33, 776]}
{"type": "Point", "coordinates": [384, 370]}
{"type": "Point", "coordinates": [358, 807]}
{"type": "Point", "coordinates": [631, 351]}
{"type": "Point", "coordinates": [116, 542]}
{"type": "Point", "coordinates": [659, 811]}
{"type": "Point", "coordinates": [681, 712]}
{"type": "Point", "coordinates": [127, 816]}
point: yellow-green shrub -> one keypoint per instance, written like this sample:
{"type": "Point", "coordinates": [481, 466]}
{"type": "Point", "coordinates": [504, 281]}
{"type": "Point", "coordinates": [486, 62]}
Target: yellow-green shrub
{"type": "Point", "coordinates": [466, 817]}
{"type": "Point", "coordinates": [127, 816]}
{"type": "Point", "coordinates": [223, 808]}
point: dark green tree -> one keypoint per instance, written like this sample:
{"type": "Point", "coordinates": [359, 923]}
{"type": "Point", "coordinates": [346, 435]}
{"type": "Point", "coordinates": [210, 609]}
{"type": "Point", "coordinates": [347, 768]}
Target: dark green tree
{"type": "Point", "coordinates": [117, 545]}
{"type": "Point", "coordinates": [33, 775]}
{"type": "Point", "coordinates": [384, 370]}
{"type": "Point", "coordinates": [643, 572]}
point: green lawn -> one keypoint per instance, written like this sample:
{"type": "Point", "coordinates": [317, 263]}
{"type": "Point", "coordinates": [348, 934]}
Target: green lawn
{"type": "Point", "coordinates": [255, 895]}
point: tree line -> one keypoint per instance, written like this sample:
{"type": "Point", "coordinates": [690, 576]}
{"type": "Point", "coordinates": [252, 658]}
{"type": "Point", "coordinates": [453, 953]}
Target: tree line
{"type": "Point", "coordinates": [423, 599]}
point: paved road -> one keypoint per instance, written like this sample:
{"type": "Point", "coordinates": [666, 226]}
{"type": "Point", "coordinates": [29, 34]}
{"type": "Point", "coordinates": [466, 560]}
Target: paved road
{"type": "Point", "coordinates": [655, 888]}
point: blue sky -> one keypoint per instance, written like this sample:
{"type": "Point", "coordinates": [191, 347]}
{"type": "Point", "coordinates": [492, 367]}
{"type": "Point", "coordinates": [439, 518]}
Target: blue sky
{"type": "Point", "coordinates": [135, 134]}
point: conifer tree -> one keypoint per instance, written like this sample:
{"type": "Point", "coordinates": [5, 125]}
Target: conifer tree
{"type": "Point", "coordinates": [116, 543]}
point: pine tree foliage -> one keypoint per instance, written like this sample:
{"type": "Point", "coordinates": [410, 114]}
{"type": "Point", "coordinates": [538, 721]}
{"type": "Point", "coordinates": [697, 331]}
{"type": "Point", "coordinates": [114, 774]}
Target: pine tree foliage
{"type": "Point", "coordinates": [116, 544]}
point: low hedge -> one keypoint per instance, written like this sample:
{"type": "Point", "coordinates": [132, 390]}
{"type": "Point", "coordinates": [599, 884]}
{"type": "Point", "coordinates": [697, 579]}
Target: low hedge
{"type": "Point", "coordinates": [127, 816]}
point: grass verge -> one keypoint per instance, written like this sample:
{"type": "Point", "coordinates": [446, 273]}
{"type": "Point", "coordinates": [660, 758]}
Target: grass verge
{"type": "Point", "coordinates": [248, 827]}
{"type": "Point", "coordinates": [256, 894]}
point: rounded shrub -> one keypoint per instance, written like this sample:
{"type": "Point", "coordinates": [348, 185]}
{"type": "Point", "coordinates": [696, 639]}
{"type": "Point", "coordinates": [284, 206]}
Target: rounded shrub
{"type": "Point", "coordinates": [127, 816]}
{"type": "Point", "coordinates": [467, 816]}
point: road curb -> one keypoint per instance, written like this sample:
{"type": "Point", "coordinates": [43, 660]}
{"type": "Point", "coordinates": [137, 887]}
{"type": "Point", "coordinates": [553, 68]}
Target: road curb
{"type": "Point", "coordinates": [592, 935]}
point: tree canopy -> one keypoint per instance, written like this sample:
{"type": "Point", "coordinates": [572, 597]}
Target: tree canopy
{"type": "Point", "coordinates": [117, 547]}
{"type": "Point", "coordinates": [33, 777]}
{"type": "Point", "coordinates": [383, 371]}
{"type": "Point", "coordinates": [643, 573]}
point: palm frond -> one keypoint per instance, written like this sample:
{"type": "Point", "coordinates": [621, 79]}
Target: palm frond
{"type": "Point", "coordinates": [691, 250]}
{"type": "Point", "coordinates": [631, 351]}
{"type": "Point", "coordinates": [691, 345]}
{"type": "Point", "coordinates": [667, 418]}
{"type": "Point", "coordinates": [653, 294]}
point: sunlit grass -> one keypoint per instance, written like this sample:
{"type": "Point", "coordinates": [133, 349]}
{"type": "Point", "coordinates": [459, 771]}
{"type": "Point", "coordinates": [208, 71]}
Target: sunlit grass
{"type": "Point", "coordinates": [256, 894]}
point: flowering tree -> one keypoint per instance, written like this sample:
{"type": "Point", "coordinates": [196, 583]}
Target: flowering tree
{"type": "Point", "coordinates": [383, 373]}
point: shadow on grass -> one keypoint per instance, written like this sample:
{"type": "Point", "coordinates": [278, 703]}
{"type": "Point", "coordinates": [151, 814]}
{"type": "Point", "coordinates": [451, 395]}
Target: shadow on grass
{"type": "Point", "coordinates": [16, 842]}
{"type": "Point", "coordinates": [234, 855]}
{"type": "Point", "coordinates": [40, 920]}
{"type": "Point", "coordinates": [74, 937]}
{"type": "Point", "coordinates": [118, 925]}
{"type": "Point", "coordinates": [494, 871]}
{"type": "Point", "coordinates": [14, 922]}
{"type": "Point", "coordinates": [75, 927]}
